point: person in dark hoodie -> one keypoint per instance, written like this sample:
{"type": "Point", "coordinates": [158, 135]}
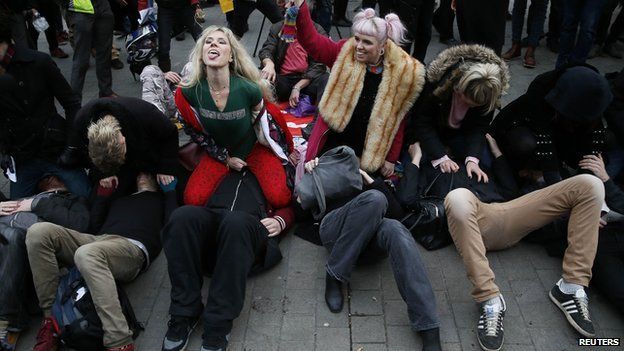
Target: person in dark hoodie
{"type": "Point", "coordinates": [32, 133]}
{"type": "Point", "coordinates": [557, 121]}
{"type": "Point", "coordinates": [235, 234]}
{"type": "Point", "coordinates": [54, 204]}
{"type": "Point", "coordinates": [127, 239]}
{"type": "Point", "coordinates": [123, 137]}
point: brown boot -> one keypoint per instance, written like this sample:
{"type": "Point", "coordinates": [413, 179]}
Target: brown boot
{"type": "Point", "coordinates": [529, 57]}
{"type": "Point", "coordinates": [512, 53]}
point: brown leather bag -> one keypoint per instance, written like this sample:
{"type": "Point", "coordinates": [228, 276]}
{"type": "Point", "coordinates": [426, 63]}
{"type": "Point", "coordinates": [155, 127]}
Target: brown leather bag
{"type": "Point", "coordinates": [189, 155]}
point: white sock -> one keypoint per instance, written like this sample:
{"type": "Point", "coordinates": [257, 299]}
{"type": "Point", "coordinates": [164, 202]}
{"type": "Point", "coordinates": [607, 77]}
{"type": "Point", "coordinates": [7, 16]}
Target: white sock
{"type": "Point", "coordinates": [568, 288]}
{"type": "Point", "coordinates": [495, 303]}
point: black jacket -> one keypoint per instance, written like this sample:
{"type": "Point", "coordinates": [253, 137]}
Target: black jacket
{"type": "Point", "coordinates": [29, 123]}
{"type": "Point", "coordinates": [275, 48]}
{"type": "Point", "coordinates": [554, 143]}
{"type": "Point", "coordinates": [151, 138]}
{"type": "Point", "coordinates": [432, 129]}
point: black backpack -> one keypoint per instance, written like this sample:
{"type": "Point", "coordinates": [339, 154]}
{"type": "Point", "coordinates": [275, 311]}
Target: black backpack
{"type": "Point", "coordinates": [79, 326]}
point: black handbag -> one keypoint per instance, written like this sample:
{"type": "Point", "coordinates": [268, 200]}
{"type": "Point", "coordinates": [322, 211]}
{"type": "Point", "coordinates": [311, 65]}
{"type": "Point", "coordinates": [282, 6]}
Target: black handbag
{"type": "Point", "coordinates": [427, 219]}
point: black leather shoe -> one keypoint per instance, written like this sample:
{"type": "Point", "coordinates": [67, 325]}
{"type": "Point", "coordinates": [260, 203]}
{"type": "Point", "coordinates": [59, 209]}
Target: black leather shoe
{"type": "Point", "coordinates": [431, 339]}
{"type": "Point", "coordinates": [333, 294]}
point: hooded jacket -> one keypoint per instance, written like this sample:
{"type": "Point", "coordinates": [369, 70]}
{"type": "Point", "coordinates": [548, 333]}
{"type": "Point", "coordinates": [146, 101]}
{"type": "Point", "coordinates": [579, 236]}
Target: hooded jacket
{"type": "Point", "coordinates": [431, 123]}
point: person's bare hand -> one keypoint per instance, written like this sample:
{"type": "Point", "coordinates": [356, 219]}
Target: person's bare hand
{"type": "Point", "coordinates": [268, 72]}
{"type": "Point", "coordinates": [387, 169]}
{"type": "Point", "coordinates": [236, 163]}
{"type": "Point", "coordinates": [173, 77]}
{"type": "Point", "coordinates": [368, 180]}
{"type": "Point", "coordinates": [595, 164]}
{"type": "Point", "coordinates": [473, 168]}
{"type": "Point", "coordinates": [109, 182]}
{"type": "Point", "coordinates": [8, 207]}
{"type": "Point", "coordinates": [123, 3]}
{"type": "Point", "coordinates": [164, 179]}
{"type": "Point", "coordinates": [294, 98]}
{"type": "Point", "coordinates": [602, 223]}
{"type": "Point", "coordinates": [496, 151]}
{"type": "Point", "coordinates": [415, 153]}
{"type": "Point", "coordinates": [24, 205]}
{"type": "Point", "coordinates": [298, 3]}
{"type": "Point", "coordinates": [272, 225]}
{"type": "Point", "coordinates": [310, 165]}
{"type": "Point", "coordinates": [293, 158]}
{"type": "Point", "coordinates": [449, 166]}
{"type": "Point", "coordinates": [454, 5]}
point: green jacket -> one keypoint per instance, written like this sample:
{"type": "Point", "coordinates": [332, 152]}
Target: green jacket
{"type": "Point", "coordinates": [81, 6]}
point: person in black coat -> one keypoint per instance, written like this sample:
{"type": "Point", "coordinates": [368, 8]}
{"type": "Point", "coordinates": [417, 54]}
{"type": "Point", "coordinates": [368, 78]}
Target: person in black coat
{"type": "Point", "coordinates": [32, 133]}
{"type": "Point", "coordinates": [482, 22]}
{"type": "Point", "coordinates": [124, 136]}
{"type": "Point", "coordinates": [464, 85]}
{"type": "Point", "coordinates": [54, 204]}
{"type": "Point", "coordinates": [557, 120]}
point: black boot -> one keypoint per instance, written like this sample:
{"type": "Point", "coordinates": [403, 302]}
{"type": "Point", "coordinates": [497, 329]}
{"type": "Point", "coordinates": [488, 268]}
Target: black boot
{"type": "Point", "coordinates": [431, 339]}
{"type": "Point", "coordinates": [333, 293]}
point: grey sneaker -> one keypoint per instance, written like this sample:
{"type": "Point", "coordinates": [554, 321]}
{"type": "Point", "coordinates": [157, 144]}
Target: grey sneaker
{"type": "Point", "coordinates": [575, 308]}
{"type": "Point", "coordinates": [490, 330]}
{"type": "Point", "coordinates": [180, 328]}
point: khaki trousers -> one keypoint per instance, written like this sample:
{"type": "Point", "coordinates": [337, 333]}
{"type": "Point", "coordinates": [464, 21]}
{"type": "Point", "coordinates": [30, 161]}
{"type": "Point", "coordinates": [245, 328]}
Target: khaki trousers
{"type": "Point", "coordinates": [101, 260]}
{"type": "Point", "coordinates": [477, 227]}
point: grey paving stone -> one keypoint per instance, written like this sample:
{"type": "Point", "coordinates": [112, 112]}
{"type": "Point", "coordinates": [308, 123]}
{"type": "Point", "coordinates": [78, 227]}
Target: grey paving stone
{"type": "Point", "coordinates": [367, 277]}
{"type": "Point", "coordinates": [403, 339]}
{"type": "Point", "coordinates": [326, 319]}
{"type": "Point", "coordinates": [468, 339]}
{"type": "Point", "coordinates": [297, 328]}
{"type": "Point", "coordinates": [543, 314]}
{"type": "Point", "coordinates": [262, 345]}
{"type": "Point", "coordinates": [367, 329]}
{"type": "Point", "coordinates": [459, 289]}
{"type": "Point", "coordinates": [547, 339]}
{"type": "Point", "coordinates": [395, 312]}
{"type": "Point", "coordinates": [389, 288]}
{"type": "Point", "coordinates": [516, 331]}
{"type": "Point", "coordinates": [448, 329]}
{"type": "Point", "coordinates": [466, 314]}
{"type": "Point", "coordinates": [296, 345]}
{"type": "Point", "coordinates": [451, 347]}
{"type": "Point", "coordinates": [436, 277]}
{"type": "Point", "coordinates": [529, 292]}
{"type": "Point", "coordinates": [366, 302]}
{"type": "Point", "coordinates": [369, 347]}
{"type": "Point", "coordinates": [300, 301]}
{"type": "Point", "coordinates": [442, 303]}
{"type": "Point", "coordinates": [332, 339]}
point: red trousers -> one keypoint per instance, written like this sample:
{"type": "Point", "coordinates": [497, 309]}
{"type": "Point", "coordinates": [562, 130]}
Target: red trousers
{"type": "Point", "coordinates": [261, 162]}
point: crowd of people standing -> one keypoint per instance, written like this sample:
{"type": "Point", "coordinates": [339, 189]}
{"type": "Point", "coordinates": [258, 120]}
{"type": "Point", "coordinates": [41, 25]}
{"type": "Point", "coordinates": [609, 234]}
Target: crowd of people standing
{"type": "Point", "coordinates": [105, 186]}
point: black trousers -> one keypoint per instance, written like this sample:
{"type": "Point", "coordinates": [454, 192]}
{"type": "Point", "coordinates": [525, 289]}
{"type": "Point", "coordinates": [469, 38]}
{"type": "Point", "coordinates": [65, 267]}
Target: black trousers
{"type": "Point", "coordinates": [443, 19]}
{"type": "Point", "coordinates": [603, 34]}
{"type": "Point", "coordinates": [385, 6]}
{"type": "Point", "coordinates": [168, 19]}
{"type": "Point", "coordinates": [237, 19]}
{"type": "Point", "coordinates": [483, 22]}
{"type": "Point", "coordinates": [555, 18]}
{"type": "Point", "coordinates": [417, 16]}
{"type": "Point", "coordinates": [219, 241]}
{"type": "Point", "coordinates": [285, 83]}
{"type": "Point", "coordinates": [608, 277]}
{"type": "Point", "coordinates": [52, 13]}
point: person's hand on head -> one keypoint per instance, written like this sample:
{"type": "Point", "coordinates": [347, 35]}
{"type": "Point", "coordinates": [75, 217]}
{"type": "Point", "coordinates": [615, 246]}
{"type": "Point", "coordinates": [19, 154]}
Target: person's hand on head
{"type": "Point", "coordinates": [109, 182]}
{"type": "Point", "coordinates": [473, 168]}
{"type": "Point", "coordinates": [173, 77]}
{"type": "Point", "coordinates": [164, 179]}
{"type": "Point", "coordinates": [595, 164]}
{"type": "Point", "coordinates": [235, 163]}
{"type": "Point", "coordinates": [310, 165]}
{"type": "Point", "coordinates": [449, 166]}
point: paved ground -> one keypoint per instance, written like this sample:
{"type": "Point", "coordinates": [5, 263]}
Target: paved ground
{"type": "Point", "coordinates": [285, 310]}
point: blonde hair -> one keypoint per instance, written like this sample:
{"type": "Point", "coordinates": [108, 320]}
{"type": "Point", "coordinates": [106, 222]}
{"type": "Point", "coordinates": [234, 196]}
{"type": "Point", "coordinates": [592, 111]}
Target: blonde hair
{"type": "Point", "coordinates": [105, 150]}
{"type": "Point", "coordinates": [390, 27]}
{"type": "Point", "coordinates": [481, 83]}
{"type": "Point", "coordinates": [242, 65]}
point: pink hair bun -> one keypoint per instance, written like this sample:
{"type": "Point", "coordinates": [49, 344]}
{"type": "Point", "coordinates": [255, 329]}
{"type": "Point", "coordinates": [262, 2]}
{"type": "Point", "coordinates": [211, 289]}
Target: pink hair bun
{"type": "Point", "coordinates": [369, 13]}
{"type": "Point", "coordinates": [392, 18]}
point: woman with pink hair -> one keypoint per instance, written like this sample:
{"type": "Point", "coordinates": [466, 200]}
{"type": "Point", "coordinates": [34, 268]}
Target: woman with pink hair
{"type": "Point", "coordinates": [372, 85]}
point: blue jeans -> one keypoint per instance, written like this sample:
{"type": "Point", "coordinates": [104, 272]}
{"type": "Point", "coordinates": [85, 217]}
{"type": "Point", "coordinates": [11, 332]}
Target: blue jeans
{"type": "Point", "coordinates": [535, 21]}
{"type": "Point", "coordinates": [578, 16]}
{"type": "Point", "coordinates": [358, 232]}
{"type": "Point", "coordinates": [29, 173]}
{"type": "Point", "coordinates": [15, 277]}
